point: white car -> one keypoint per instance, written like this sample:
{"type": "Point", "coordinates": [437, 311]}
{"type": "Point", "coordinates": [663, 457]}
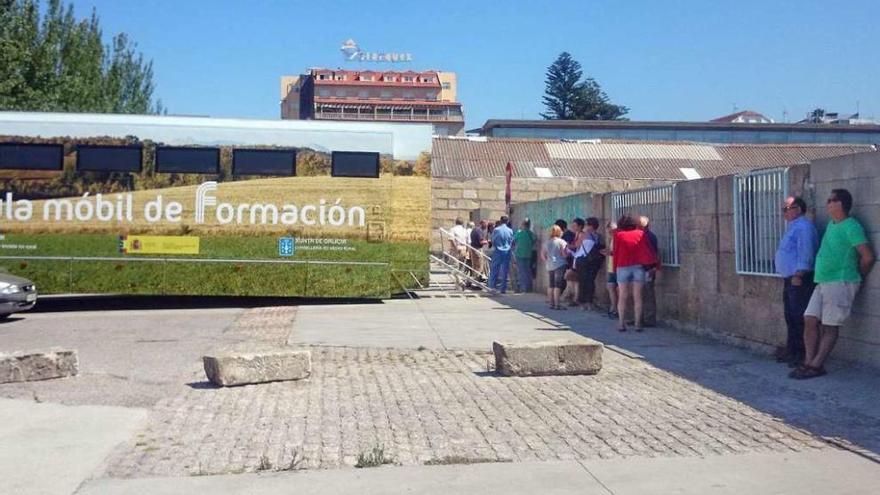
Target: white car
{"type": "Point", "coordinates": [16, 294]}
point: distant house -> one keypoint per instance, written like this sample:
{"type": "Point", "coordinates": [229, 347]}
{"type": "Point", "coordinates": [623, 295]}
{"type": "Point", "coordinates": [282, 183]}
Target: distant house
{"type": "Point", "coordinates": [744, 117]}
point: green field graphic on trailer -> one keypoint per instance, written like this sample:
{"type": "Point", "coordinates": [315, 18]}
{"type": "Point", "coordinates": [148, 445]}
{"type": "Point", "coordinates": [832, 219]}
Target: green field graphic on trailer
{"type": "Point", "coordinates": [189, 232]}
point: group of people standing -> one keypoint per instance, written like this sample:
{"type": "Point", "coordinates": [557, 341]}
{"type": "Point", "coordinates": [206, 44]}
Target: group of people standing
{"type": "Point", "coordinates": [821, 280]}
{"type": "Point", "coordinates": [575, 255]}
{"type": "Point", "coordinates": [496, 242]}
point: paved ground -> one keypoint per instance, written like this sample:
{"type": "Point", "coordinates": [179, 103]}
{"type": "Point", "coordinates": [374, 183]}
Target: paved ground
{"type": "Point", "coordinates": [841, 405]}
{"type": "Point", "coordinates": [127, 358]}
{"type": "Point", "coordinates": [423, 394]}
{"type": "Point", "coordinates": [51, 448]}
{"type": "Point", "coordinates": [442, 323]}
{"type": "Point", "coordinates": [822, 472]}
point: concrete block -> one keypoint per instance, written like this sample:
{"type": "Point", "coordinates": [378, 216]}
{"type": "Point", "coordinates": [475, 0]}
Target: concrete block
{"type": "Point", "coordinates": [484, 184]}
{"type": "Point", "coordinates": [562, 357]}
{"type": "Point", "coordinates": [868, 216]}
{"type": "Point", "coordinates": [493, 205]}
{"type": "Point", "coordinates": [244, 368]}
{"type": "Point", "coordinates": [866, 302]}
{"type": "Point", "coordinates": [866, 164]}
{"type": "Point", "coordinates": [469, 193]}
{"type": "Point", "coordinates": [453, 184]}
{"type": "Point", "coordinates": [829, 169]}
{"type": "Point", "coordinates": [446, 193]}
{"type": "Point", "coordinates": [725, 195]}
{"type": "Point", "coordinates": [464, 204]}
{"type": "Point", "coordinates": [33, 366]}
{"type": "Point", "coordinates": [489, 194]}
{"type": "Point", "coordinates": [726, 234]}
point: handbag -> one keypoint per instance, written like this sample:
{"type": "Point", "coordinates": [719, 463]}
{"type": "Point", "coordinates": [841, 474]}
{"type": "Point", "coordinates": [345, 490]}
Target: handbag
{"type": "Point", "coordinates": [595, 255]}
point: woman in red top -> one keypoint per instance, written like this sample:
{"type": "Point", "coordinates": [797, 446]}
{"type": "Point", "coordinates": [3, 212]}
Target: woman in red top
{"type": "Point", "coordinates": [632, 252]}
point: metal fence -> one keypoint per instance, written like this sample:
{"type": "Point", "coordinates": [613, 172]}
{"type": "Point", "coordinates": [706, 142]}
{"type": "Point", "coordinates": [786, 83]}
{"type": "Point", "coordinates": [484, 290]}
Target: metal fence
{"type": "Point", "coordinates": [758, 222]}
{"type": "Point", "coordinates": [658, 204]}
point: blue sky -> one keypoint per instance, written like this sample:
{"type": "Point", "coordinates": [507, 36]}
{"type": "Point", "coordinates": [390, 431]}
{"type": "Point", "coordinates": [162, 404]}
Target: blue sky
{"type": "Point", "coordinates": [688, 60]}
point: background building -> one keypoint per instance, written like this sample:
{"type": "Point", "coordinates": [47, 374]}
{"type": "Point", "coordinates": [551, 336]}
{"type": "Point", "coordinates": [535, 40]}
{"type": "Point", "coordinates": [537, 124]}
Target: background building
{"type": "Point", "coordinates": [744, 117]}
{"type": "Point", "coordinates": [468, 173]}
{"type": "Point", "coordinates": [704, 132]}
{"type": "Point", "coordinates": [368, 95]}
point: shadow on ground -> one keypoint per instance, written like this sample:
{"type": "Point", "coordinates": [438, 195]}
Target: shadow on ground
{"type": "Point", "coordinates": [51, 304]}
{"type": "Point", "coordinates": [840, 405]}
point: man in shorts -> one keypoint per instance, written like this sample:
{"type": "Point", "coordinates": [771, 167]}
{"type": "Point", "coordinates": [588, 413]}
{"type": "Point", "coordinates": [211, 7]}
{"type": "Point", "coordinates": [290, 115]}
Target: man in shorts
{"type": "Point", "coordinates": [844, 259]}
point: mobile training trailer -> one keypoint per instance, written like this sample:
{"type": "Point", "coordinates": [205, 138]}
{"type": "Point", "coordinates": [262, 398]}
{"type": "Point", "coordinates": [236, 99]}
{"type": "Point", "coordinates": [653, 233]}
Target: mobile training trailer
{"type": "Point", "coordinates": [203, 206]}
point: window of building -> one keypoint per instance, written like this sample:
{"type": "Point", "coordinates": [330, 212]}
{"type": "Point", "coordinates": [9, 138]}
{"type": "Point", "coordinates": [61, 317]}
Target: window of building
{"type": "Point", "coordinates": [366, 78]}
{"type": "Point", "coordinates": [447, 85]}
{"type": "Point", "coordinates": [408, 79]}
{"type": "Point", "coordinates": [187, 160]}
{"type": "Point", "coordinates": [109, 158]}
{"type": "Point", "coordinates": [386, 94]}
{"type": "Point", "coordinates": [408, 95]}
{"type": "Point", "coordinates": [264, 162]}
{"type": "Point", "coordinates": [658, 204]}
{"type": "Point", "coordinates": [324, 92]}
{"type": "Point", "coordinates": [341, 93]}
{"type": "Point", "coordinates": [388, 78]}
{"type": "Point", "coordinates": [363, 93]}
{"type": "Point", "coordinates": [31, 156]}
{"type": "Point", "coordinates": [354, 164]}
{"type": "Point", "coordinates": [758, 223]}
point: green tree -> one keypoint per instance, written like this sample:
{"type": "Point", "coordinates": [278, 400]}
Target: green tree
{"type": "Point", "coordinates": [591, 103]}
{"type": "Point", "coordinates": [568, 98]}
{"type": "Point", "coordinates": [562, 82]}
{"type": "Point", "coordinates": [56, 62]}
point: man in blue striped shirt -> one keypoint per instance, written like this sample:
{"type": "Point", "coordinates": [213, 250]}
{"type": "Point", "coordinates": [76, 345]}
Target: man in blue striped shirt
{"type": "Point", "coordinates": [795, 258]}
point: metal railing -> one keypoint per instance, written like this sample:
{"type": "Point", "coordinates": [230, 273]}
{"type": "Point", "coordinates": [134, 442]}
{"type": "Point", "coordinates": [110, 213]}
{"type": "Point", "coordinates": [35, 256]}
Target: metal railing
{"type": "Point", "coordinates": [659, 205]}
{"type": "Point", "coordinates": [758, 222]}
{"type": "Point", "coordinates": [400, 117]}
{"type": "Point", "coordinates": [451, 256]}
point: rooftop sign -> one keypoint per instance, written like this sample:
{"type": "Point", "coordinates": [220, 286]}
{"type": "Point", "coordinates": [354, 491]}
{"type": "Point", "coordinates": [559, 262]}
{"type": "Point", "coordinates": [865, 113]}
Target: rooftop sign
{"type": "Point", "coordinates": [352, 52]}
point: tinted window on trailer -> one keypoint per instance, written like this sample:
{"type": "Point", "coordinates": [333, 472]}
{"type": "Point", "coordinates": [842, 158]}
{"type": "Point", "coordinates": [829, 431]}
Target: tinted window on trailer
{"type": "Point", "coordinates": [31, 156]}
{"type": "Point", "coordinates": [264, 162]}
{"type": "Point", "coordinates": [187, 160]}
{"type": "Point", "coordinates": [355, 164]}
{"type": "Point", "coordinates": [109, 158]}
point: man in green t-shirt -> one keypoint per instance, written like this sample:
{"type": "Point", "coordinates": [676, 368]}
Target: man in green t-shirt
{"type": "Point", "coordinates": [523, 247]}
{"type": "Point", "coordinates": [844, 259]}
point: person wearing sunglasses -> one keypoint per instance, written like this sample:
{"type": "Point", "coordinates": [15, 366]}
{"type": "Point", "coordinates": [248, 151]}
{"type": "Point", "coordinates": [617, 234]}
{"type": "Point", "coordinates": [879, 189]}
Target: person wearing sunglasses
{"type": "Point", "coordinates": [844, 259]}
{"type": "Point", "coordinates": [795, 258]}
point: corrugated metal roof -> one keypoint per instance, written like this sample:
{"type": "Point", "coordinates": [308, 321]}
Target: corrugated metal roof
{"type": "Point", "coordinates": [463, 158]}
{"type": "Point", "coordinates": [647, 151]}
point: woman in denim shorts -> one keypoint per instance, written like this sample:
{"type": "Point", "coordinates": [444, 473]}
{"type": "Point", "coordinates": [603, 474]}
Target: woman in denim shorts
{"type": "Point", "coordinates": [553, 255]}
{"type": "Point", "coordinates": [632, 251]}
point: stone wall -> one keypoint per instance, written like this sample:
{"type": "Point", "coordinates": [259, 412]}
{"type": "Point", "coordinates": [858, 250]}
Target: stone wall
{"type": "Point", "coordinates": [451, 198]}
{"type": "Point", "coordinates": [704, 293]}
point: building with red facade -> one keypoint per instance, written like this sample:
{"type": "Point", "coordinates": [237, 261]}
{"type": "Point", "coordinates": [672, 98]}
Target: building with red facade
{"type": "Point", "coordinates": [368, 95]}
